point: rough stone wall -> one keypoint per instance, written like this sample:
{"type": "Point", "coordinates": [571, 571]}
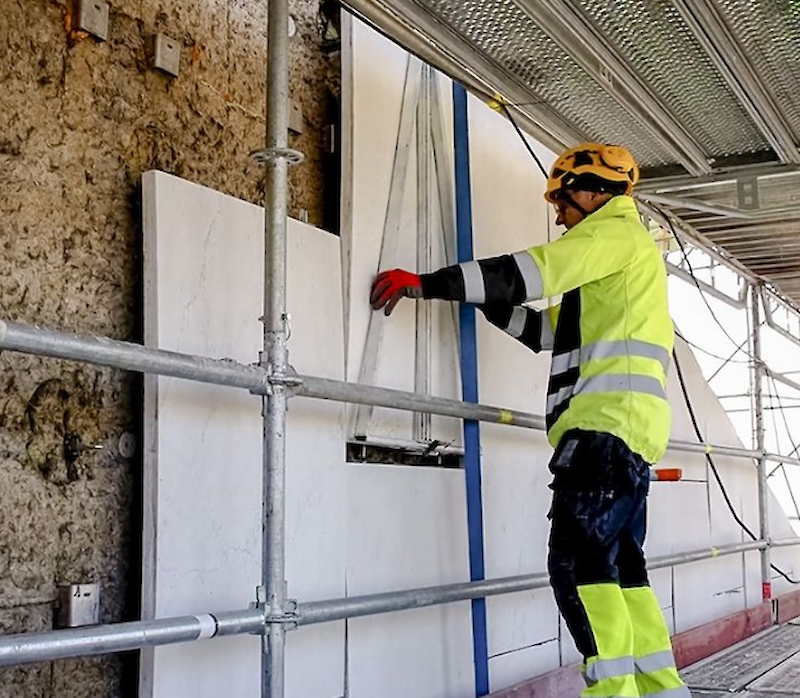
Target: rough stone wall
{"type": "Point", "coordinates": [80, 120]}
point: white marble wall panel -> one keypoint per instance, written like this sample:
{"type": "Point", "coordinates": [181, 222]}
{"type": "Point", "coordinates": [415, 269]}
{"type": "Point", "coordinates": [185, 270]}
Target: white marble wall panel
{"type": "Point", "coordinates": [511, 668]}
{"type": "Point", "coordinates": [661, 583]}
{"type": "Point", "coordinates": [202, 548]}
{"type": "Point", "coordinates": [425, 653]}
{"type": "Point", "coordinates": [406, 529]}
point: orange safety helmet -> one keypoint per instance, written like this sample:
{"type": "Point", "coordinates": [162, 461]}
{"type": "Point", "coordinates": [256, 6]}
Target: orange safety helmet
{"type": "Point", "coordinates": [610, 163]}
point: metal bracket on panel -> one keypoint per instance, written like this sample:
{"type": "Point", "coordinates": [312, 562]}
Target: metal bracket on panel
{"type": "Point", "coordinates": [747, 190]}
{"type": "Point", "coordinates": [91, 16]}
{"type": "Point", "coordinates": [165, 54]}
{"type": "Point", "coordinates": [78, 604]}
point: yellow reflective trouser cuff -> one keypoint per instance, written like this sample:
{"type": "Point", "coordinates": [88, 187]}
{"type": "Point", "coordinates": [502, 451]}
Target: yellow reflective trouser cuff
{"type": "Point", "coordinates": [663, 684]}
{"type": "Point", "coordinates": [609, 674]}
{"type": "Point", "coordinates": [656, 675]}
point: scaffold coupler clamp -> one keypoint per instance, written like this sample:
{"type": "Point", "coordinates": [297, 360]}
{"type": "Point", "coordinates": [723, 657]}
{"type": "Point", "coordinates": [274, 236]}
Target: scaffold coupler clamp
{"type": "Point", "coordinates": [288, 617]}
{"type": "Point", "coordinates": [290, 380]}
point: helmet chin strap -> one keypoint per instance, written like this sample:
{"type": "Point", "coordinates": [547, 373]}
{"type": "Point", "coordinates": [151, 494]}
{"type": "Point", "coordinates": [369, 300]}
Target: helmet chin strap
{"type": "Point", "coordinates": [564, 196]}
{"type": "Point", "coordinates": [571, 202]}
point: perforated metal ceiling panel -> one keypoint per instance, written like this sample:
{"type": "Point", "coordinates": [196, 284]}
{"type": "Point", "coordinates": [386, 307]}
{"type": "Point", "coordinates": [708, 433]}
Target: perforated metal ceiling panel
{"type": "Point", "coordinates": [654, 38]}
{"type": "Point", "coordinates": [769, 32]}
{"type": "Point", "coordinates": [502, 31]}
{"type": "Point", "coordinates": [695, 88]}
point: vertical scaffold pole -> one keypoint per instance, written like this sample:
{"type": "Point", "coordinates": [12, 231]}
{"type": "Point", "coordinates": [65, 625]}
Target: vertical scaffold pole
{"type": "Point", "coordinates": [758, 406]}
{"type": "Point", "coordinates": [275, 354]}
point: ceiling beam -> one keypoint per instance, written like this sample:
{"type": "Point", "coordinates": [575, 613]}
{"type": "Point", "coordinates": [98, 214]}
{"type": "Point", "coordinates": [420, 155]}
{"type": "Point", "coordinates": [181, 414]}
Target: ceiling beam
{"type": "Point", "coordinates": [718, 176]}
{"type": "Point", "coordinates": [709, 27]}
{"type": "Point", "coordinates": [697, 239]}
{"type": "Point", "coordinates": [749, 226]}
{"type": "Point", "coordinates": [735, 244]}
{"type": "Point", "coordinates": [575, 34]}
{"type": "Point", "coordinates": [777, 213]}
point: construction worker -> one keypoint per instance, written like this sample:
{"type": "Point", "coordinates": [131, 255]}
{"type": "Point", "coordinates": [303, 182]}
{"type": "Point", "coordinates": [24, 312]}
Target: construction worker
{"type": "Point", "coordinates": [608, 417]}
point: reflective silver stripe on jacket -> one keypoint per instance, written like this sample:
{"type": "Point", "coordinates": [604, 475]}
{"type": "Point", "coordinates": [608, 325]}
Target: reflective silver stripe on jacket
{"type": "Point", "coordinates": [555, 399]}
{"type": "Point", "coordinates": [608, 669]}
{"type": "Point", "coordinates": [564, 362]}
{"type": "Point", "coordinates": [655, 662]}
{"type": "Point", "coordinates": [608, 383]}
{"type": "Point", "coordinates": [474, 290]}
{"type": "Point", "coordinates": [626, 347]}
{"type": "Point", "coordinates": [605, 349]}
{"type": "Point", "coordinates": [621, 382]}
{"type": "Point", "coordinates": [534, 286]}
{"type": "Point", "coordinates": [547, 337]}
{"type": "Point", "coordinates": [516, 325]}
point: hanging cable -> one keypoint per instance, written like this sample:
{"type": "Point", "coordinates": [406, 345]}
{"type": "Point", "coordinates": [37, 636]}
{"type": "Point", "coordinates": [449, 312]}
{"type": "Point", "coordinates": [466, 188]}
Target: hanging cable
{"type": "Point", "coordinates": [697, 283]}
{"type": "Point", "coordinates": [727, 360]}
{"type": "Point", "coordinates": [522, 137]}
{"type": "Point", "coordinates": [795, 447]}
{"type": "Point", "coordinates": [686, 398]}
{"type": "Point", "coordinates": [714, 470]}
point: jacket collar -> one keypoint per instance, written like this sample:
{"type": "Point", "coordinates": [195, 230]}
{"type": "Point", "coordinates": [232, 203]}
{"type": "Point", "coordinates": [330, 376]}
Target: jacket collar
{"type": "Point", "coordinates": [617, 206]}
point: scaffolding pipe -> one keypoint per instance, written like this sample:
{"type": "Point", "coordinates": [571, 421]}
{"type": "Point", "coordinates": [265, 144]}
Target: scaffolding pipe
{"type": "Point", "coordinates": [775, 458]}
{"type": "Point", "coordinates": [134, 357]}
{"type": "Point", "coordinates": [103, 351]}
{"type": "Point", "coordinates": [274, 359]}
{"type": "Point", "coordinates": [359, 394]}
{"type": "Point", "coordinates": [783, 542]}
{"type": "Point", "coordinates": [374, 604]}
{"type": "Point", "coordinates": [119, 637]}
{"type": "Point", "coordinates": [761, 467]}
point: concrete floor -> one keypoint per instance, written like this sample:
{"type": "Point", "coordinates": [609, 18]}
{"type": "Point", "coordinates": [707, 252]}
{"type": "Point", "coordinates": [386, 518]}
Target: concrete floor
{"type": "Point", "coordinates": [765, 666]}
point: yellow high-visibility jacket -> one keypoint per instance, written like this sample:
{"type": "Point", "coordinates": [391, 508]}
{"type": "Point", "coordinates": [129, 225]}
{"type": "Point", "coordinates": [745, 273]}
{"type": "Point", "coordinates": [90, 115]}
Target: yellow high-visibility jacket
{"type": "Point", "coordinates": [611, 335]}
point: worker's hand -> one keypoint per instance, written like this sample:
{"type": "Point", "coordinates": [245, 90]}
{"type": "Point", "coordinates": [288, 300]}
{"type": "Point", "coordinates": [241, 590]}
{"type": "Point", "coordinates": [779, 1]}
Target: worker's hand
{"type": "Point", "coordinates": [390, 286]}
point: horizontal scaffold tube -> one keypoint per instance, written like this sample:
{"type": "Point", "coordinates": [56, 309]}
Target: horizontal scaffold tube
{"type": "Point", "coordinates": [135, 357]}
{"type": "Point", "coordinates": [120, 637]}
{"type": "Point", "coordinates": [103, 639]}
{"type": "Point", "coordinates": [373, 604]}
{"type": "Point", "coordinates": [782, 542]}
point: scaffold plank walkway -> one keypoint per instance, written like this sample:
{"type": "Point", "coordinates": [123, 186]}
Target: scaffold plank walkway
{"type": "Point", "coordinates": [764, 666]}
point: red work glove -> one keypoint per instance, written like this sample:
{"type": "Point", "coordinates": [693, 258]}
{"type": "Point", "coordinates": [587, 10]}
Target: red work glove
{"type": "Point", "coordinates": [390, 286]}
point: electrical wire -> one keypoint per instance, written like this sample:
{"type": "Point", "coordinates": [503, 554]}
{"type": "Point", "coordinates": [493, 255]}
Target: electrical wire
{"type": "Point", "coordinates": [691, 410]}
{"type": "Point", "coordinates": [727, 360]}
{"type": "Point", "coordinates": [697, 283]}
{"type": "Point", "coordinates": [782, 466]}
{"type": "Point", "coordinates": [686, 398]}
{"type": "Point", "coordinates": [795, 447]}
{"type": "Point", "coordinates": [715, 472]}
